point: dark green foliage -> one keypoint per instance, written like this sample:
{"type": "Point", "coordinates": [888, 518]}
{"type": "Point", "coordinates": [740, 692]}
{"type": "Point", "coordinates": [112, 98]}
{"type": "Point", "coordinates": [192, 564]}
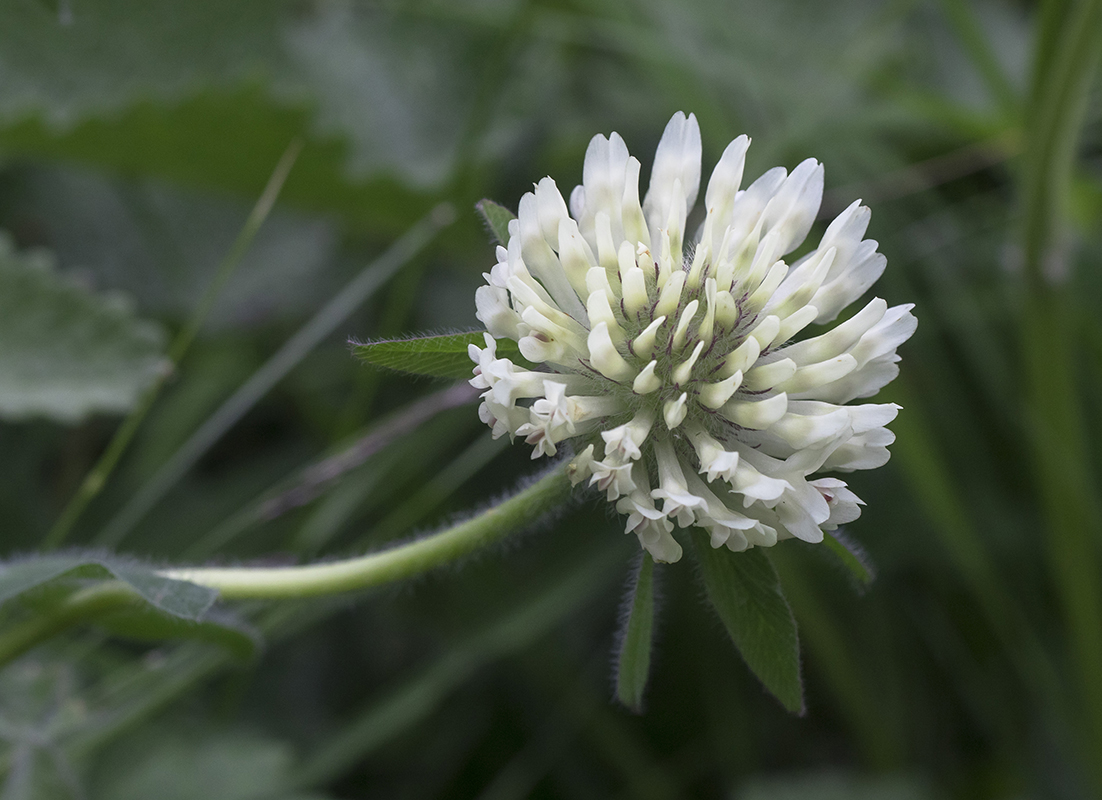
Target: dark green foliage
{"type": "Point", "coordinates": [746, 593]}
{"type": "Point", "coordinates": [636, 637]}
{"type": "Point", "coordinates": [135, 135]}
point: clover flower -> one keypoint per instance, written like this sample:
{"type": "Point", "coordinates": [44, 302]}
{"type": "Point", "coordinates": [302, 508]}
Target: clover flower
{"type": "Point", "coordinates": [672, 362]}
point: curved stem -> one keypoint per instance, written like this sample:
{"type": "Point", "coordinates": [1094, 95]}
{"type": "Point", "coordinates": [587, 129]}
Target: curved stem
{"type": "Point", "coordinates": [310, 580]}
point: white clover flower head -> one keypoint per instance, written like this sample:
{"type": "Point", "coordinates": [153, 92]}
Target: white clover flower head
{"type": "Point", "coordinates": [673, 361]}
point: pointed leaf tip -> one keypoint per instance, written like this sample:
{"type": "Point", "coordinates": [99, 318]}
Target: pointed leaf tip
{"type": "Point", "coordinates": [745, 591]}
{"type": "Point", "coordinates": [497, 218]}
{"type": "Point", "coordinates": [636, 637]}
{"type": "Point", "coordinates": [433, 356]}
{"type": "Point", "coordinates": [852, 556]}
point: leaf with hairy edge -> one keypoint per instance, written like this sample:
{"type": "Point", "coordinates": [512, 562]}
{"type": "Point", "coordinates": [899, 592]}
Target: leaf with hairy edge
{"type": "Point", "coordinates": [497, 218]}
{"type": "Point", "coordinates": [434, 356]}
{"type": "Point", "coordinates": [65, 352]}
{"type": "Point", "coordinates": [852, 557]}
{"type": "Point", "coordinates": [177, 598]}
{"type": "Point", "coordinates": [746, 593]}
{"type": "Point", "coordinates": [637, 637]}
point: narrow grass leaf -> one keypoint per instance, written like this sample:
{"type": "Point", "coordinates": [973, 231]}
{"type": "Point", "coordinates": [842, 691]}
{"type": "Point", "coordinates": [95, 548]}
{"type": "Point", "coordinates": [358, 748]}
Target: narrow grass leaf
{"type": "Point", "coordinates": [746, 593]}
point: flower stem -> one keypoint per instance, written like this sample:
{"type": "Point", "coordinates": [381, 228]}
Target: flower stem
{"type": "Point", "coordinates": [310, 580]}
{"type": "Point", "coordinates": [374, 569]}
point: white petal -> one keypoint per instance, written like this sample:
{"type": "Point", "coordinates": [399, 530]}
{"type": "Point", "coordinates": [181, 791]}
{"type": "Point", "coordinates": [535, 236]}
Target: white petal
{"type": "Point", "coordinates": [634, 282]}
{"type": "Point", "coordinates": [677, 160]}
{"type": "Point", "coordinates": [811, 376]}
{"type": "Point", "coordinates": [723, 187]}
{"type": "Point", "coordinates": [803, 431]}
{"type": "Point", "coordinates": [669, 298]}
{"type": "Point", "coordinates": [644, 342]}
{"type": "Point", "coordinates": [746, 211]}
{"type": "Point", "coordinates": [714, 395]}
{"type": "Point", "coordinates": [492, 309]}
{"type": "Point", "coordinates": [793, 208]}
{"type": "Point", "coordinates": [541, 260]}
{"type": "Point", "coordinates": [574, 255]}
{"type": "Point", "coordinates": [581, 466]}
{"type": "Point", "coordinates": [626, 440]}
{"type": "Point", "coordinates": [675, 411]}
{"type": "Point", "coordinates": [635, 223]}
{"type": "Point", "coordinates": [762, 377]}
{"type": "Point", "coordinates": [604, 356]}
{"type": "Point", "coordinates": [840, 338]}
{"type": "Point", "coordinates": [646, 381]}
{"type": "Point", "coordinates": [600, 311]}
{"type": "Point", "coordinates": [756, 414]}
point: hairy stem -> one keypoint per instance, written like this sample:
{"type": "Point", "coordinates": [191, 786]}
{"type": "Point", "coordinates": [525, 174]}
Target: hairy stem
{"type": "Point", "coordinates": [374, 569]}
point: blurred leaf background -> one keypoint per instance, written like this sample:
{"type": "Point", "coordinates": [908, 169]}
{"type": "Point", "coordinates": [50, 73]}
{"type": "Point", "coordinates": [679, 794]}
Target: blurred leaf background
{"type": "Point", "coordinates": [135, 136]}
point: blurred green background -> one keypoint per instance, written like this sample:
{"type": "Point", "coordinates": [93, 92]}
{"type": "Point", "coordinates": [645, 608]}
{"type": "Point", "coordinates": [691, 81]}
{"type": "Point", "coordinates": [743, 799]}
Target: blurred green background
{"type": "Point", "coordinates": [135, 136]}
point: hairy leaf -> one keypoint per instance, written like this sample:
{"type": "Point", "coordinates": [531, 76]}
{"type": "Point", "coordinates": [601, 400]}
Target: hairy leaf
{"type": "Point", "coordinates": [177, 598]}
{"type": "Point", "coordinates": [434, 356]}
{"type": "Point", "coordinates": [497, 218]}
{"type": "Point", "coordinates": [637, 640]}
{"type": "Point", "coordinates": [746, 593]}
{"type": "Point", "coordinates": [66, 352]}
{"type": "Point", "coordinates": [852, 557]}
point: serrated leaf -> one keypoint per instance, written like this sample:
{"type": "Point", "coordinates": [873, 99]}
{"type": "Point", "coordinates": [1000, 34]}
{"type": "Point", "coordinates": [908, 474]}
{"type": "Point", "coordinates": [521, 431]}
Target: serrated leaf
{"type": "Point", "coordinates": [65, 352]}
{"type": "Point", "coordinates": [434, 356]}
{"type": "Point", "coordinates": [852, 557]}
{"type": "Point", "coordinates": [745, 591]}
{"type": "Point", "coordinates": [178, 598]}
{"type": "Point", "coordinates": [497, 218]}
{"type": "Point", "coordinates": [637, 638]}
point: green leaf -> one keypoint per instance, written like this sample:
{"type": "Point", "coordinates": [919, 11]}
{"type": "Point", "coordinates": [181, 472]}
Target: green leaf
{"type": "Point", "coordinates": [176, 598]}
{"type": "Point", "coordinates": [746, 593]}
{"type": "Point", "coordinates": [851, 555]}
{"type": "Point", "coordinates": [217, 627]}
{"type": "Point", "coordinates": [497, 218]}
{"type": "Point", "coordinates": [637, 640]}
{"type": "Point", "coordinates": [346, 69]}
{"type": "Point", "coordinates": [434, 356]}
{"type": "Point", "coordinates": [66, 352]}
